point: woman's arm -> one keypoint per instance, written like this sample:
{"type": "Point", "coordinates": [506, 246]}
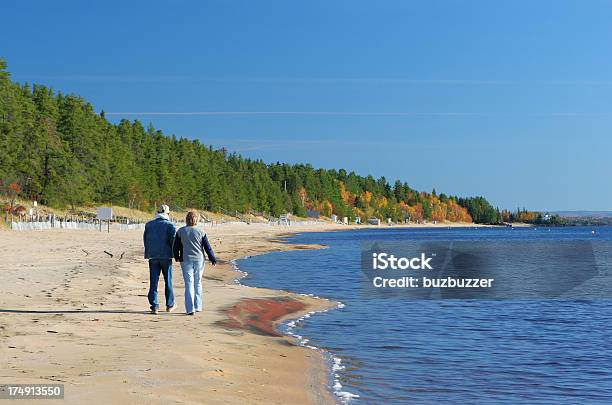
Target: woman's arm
{"type": "Point", "coordinates": [208, 250]}
{"type": "Point", "coordinates": [177, 249]}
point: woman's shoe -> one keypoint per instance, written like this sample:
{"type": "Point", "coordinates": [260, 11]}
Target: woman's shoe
{"type": "Point", "coordinates": [191, 313]}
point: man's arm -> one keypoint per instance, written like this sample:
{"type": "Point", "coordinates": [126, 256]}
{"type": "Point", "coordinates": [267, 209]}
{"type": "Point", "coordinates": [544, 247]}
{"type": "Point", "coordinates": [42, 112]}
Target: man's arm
{"type": "Point", "coordinates": [171, 234]}
{"type": "Point", "coordinates": [144, 241]}
{"type": "Point", "coordinates": [208, 250]}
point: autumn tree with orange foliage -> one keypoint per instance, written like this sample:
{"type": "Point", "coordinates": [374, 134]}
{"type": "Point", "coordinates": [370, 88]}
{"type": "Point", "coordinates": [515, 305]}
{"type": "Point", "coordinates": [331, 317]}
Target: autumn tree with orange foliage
{"type": "Point", "coordinates": [327, 208]}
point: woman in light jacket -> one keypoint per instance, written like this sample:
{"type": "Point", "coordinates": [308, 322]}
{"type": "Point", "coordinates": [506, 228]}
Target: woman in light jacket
{"type": "Point", "coordinates": [189, 247]}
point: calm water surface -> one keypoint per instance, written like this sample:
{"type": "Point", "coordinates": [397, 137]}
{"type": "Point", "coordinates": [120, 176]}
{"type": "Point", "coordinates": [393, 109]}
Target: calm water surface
{"type": "Point", "coordinates": [448, 351]}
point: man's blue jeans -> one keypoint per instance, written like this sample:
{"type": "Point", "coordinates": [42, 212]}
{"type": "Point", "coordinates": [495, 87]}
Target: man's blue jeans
{"type": "Point", "coordinates": [163, 266]}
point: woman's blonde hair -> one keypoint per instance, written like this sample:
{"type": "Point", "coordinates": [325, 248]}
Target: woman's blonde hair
{"type": "Point", "coordinates": [192, 218]}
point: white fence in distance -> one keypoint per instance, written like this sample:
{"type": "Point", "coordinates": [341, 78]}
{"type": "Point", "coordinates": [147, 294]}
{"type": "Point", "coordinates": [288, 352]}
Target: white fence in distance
{"type": "Point", "coordinates": [94, 226]}
{"type": "Point", "coordinates": [74, 225]}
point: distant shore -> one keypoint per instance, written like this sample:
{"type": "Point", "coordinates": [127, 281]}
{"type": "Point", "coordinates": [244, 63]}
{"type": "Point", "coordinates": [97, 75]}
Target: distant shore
{"type": "Point", "coordinates": [72, 314]}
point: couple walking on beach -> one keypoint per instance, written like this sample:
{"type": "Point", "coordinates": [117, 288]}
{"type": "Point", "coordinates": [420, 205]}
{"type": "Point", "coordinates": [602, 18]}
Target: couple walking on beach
{"type": "Point", "coordinates": [162, 242]}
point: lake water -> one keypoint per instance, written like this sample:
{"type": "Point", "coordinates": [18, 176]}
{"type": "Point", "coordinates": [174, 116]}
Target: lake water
{"type": "Point", "coordinates": [455, 351]}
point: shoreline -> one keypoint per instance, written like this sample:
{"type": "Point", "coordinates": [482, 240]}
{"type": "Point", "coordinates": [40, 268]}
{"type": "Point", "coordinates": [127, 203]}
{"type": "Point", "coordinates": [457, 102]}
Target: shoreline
{"type": "Point", "coordinates": [321, 373]}
{"type": "Point", "coordinates": [331, 363]}
{"type": "Point", "coordinates": [85, 314]}
{"type": "Point", "coordinates": [286, 324]}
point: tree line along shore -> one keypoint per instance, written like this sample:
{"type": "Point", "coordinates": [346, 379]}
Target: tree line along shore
{"type": "Point", "coordinates": [58, 151]}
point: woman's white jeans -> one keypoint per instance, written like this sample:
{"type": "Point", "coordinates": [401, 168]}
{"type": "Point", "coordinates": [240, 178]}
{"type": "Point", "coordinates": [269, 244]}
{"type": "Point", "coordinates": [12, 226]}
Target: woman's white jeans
{"type": "Point", "coordinates": [192, 274]}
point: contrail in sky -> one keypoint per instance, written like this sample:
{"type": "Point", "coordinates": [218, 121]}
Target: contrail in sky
{"type": "Point", "coordinates": [286, 113]}
{"type": "Point", "coordinates": [307, 80]}
{"type": "Point", "coordinates": [354, 113]}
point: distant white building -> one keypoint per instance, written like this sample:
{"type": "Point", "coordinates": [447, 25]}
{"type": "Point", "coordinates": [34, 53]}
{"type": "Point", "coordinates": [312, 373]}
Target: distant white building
{"type": "Point", "coordinates": [284, 220]}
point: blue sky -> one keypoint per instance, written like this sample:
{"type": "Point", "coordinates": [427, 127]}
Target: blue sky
{"type": "Point", "coordinates": [510, 100]}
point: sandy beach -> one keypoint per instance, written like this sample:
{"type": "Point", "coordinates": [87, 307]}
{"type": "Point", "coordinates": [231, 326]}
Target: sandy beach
{"type": "Point", "coordinates": [72, 314]}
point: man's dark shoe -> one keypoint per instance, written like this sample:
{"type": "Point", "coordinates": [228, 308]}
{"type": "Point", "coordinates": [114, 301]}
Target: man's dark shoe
{"type": "Point", "coordinates": [191, 313]}
{"type": "Point", "coordinates": [154, 311]}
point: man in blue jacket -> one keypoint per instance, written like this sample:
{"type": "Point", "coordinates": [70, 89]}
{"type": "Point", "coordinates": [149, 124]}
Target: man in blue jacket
{"type": "Point", "coordinates": [158, 240]}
